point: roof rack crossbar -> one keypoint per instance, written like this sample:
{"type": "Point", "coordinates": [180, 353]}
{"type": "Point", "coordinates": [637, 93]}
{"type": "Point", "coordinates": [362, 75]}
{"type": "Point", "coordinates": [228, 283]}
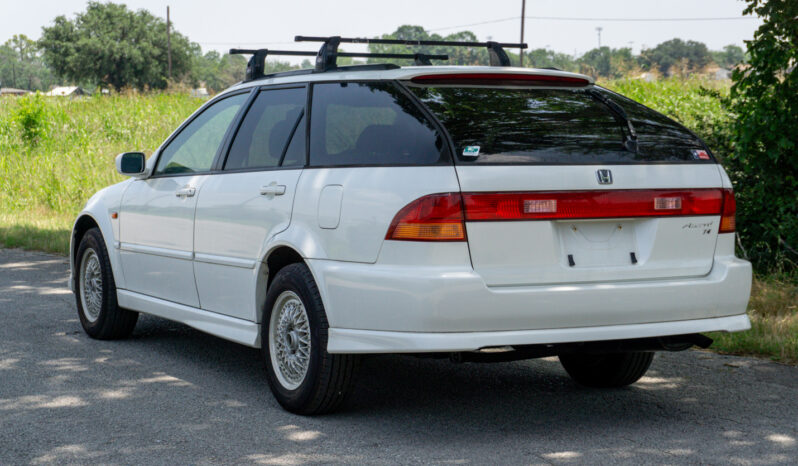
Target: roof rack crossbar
{"type": "Point", "coordinates": [256, 65]}
{"type": "Point", "coordinates": [498, 57]}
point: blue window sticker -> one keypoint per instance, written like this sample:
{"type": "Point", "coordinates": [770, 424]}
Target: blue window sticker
{"type": "Point", "coordinates": [471, 151]}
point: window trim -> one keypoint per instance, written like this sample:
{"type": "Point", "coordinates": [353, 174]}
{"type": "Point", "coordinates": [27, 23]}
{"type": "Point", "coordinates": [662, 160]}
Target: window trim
{"type": "Point", "coordinates": [218, 166]}
{"type": "Point", "coordinates": [188, 121]}
{"type": "Point", "coordinates": [445, 159]}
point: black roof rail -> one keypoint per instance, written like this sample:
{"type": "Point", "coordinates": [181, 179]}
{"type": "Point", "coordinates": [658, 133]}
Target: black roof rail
{"type": "Point", "coordinates": [326, 57]}
{"type": "Point", "coordinates": [256, 65]}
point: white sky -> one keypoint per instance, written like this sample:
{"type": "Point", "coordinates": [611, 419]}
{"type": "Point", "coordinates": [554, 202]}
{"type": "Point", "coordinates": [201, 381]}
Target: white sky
{"type": "Point", "coordinates": [221, 25]}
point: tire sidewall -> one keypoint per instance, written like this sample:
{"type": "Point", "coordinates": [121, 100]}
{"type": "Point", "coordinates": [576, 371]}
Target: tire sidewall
{"type": "Point", "coordinates": [93, 240]}
{"type": "Point", "coordinates": [291, 279]}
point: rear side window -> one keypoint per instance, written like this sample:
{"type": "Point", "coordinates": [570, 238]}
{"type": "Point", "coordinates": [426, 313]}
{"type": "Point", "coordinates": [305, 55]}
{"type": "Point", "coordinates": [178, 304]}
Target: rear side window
{"type": "Point", "coordinates": [263, 137]}
{"type": "Point", "coordinates": [371, 123]}
{"type": "Point", "coordinates": [194, 148]}
{"type": "Point", "coordinates": [495, 125]}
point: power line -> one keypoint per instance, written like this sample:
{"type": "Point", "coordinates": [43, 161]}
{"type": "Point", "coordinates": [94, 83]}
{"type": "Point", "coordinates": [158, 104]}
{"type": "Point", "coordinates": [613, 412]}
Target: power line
{"type": "Point", "coordinates": [567, 18]}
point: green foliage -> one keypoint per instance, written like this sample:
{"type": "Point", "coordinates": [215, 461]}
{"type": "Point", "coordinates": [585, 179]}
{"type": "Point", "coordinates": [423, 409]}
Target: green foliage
{"type": "Point", "coordinates": [217, 71]}
{"type": "Point", "coordinates": [113, 46]}
{"type": "Point", "coordinates": [764, 165]}
{"type": "Point", "coordinates": [457, 55]}
{"type": "Point", "coordinates": [690, 56]}
{"type": "Point", "coordinates": [607, 62]}
{"type": "Point", "coordinates": [21, 65]}
{"type": "Point", "coordinates": [31, 118]}
{"type": "Point", "coordinates": [729, 57]}
{"type": "Point", "coordinates": [544, 58]}
{"type": "Point", "coordinates": [75, 157]}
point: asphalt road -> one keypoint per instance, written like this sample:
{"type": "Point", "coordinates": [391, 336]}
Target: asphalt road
{"type": "Point", "coordinates": [172, 395]}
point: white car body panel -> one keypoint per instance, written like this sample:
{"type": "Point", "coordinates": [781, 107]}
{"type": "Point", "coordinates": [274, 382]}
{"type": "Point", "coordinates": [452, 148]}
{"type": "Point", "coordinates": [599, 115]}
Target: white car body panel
{"type": "Point", "coordinates": [398, 296]}
{"type": "Point", "coordinates": [232, 227]}
{"type": "Point", "coordinates": [157, 238]}
{"type": "Point", "coordinates": [370, 198]}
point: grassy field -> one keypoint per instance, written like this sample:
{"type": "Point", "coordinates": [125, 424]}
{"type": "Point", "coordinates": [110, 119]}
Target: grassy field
{"type": "Point", "coordinates": [55, 153]}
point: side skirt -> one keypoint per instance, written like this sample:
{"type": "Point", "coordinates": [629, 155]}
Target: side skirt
{"type": "Point", "coordinates": [240, 331]}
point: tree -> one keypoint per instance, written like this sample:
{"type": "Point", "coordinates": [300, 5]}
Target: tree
{"type": "Point", "coordinates": [457, 55]}
{"type": "Point", "coordinates": [676, 52]}
{"type": "Point", "coordinates": [764, 165]}
{"type": "Point", "coordinates": [607, 62]}
{"type": "Point", "coordinates": [729, 57]}
{"type": "Point", "coordinates": [21, 65]}
{"type": "Point", "coordinates": [111, 45]}
{"type": "Point", "coordinates": [544, 58]}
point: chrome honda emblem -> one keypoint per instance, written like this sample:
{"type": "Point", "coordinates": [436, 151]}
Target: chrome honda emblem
{"type": "Point", "coordinates": [604, 176]}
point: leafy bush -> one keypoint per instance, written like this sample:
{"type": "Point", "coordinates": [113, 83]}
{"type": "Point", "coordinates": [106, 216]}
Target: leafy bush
{"type": "Point", "coordinates": [764, 164]}
{"type": "Point", "coordinates": [31, 118]}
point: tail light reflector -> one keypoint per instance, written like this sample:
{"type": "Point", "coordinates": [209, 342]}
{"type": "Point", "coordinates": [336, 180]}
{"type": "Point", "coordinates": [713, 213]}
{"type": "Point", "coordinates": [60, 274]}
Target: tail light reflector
{"type": "Point", "coordinates": [437, 217]}
{"type": "Point", "coordinates": [727, 219]}
{"type": "Point", "coordinates": [552, 205]}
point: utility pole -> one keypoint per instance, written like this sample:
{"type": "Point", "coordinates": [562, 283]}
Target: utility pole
{"type": "Point", "coordinates": [599, 29]}
{"type": "Point", "coordinates": [168, 43]}
{"type": "Point", "coordinates": [521, 51]}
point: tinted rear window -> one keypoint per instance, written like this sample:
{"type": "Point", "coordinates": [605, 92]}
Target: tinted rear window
{"type": "Point", "coordinates": [551, 126]}
{"type": "Point", "coordinates": [372, 123]}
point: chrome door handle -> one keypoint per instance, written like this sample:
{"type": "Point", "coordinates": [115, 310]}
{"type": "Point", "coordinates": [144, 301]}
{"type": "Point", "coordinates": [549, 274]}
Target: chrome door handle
{"type": "Point", "coordinates": [186, 191]}
{"type": "Point", "coordinates": [272, 190]}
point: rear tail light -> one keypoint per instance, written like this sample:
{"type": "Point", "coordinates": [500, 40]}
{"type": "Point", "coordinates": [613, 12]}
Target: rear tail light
{"type": "Point", "coordinates": [553, 205]}
{"type": "Point", "coordinates": [727, 218]}
{"type": "Point", "coordinates": [437, 217]}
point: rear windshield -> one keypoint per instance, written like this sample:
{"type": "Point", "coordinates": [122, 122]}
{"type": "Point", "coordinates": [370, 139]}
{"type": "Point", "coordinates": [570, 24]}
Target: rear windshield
{"type": "Point", "coordinates": [491, 125]}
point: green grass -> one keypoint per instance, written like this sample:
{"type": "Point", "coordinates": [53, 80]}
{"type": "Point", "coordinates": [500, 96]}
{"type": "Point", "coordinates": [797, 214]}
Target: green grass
{"type": "Point", "coordinates": [55, 153]}
{"type": "Point", "coordinates": [773, 311]}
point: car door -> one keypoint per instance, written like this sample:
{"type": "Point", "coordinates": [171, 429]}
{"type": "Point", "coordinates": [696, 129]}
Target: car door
{"type": "Point", "coordinates": [157, 213]}
{"type": "Point", "coordinates": [249, 200]}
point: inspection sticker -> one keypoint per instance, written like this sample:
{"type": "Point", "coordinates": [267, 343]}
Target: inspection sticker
{"type": "Point", "coordinates": [471, 151]}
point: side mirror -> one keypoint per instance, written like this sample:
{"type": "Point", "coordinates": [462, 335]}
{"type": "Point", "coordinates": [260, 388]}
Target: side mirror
{"type": "Point", "coordinates": [131, 164]}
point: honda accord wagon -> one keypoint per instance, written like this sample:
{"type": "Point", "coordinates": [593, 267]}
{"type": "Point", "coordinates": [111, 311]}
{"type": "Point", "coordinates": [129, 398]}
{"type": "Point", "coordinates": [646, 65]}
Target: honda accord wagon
{"type": "Point", "coordinates": [479, 213]}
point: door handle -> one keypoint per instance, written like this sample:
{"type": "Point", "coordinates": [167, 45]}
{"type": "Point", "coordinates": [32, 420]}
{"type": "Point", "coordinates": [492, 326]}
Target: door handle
{"type": "Point", "coordinates": [186, 191]}
{"type": "Point", "coordinates": [272, 189]}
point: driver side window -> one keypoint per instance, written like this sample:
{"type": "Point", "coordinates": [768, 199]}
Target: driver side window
{"type": "Point", "coordinates": [193, 149]}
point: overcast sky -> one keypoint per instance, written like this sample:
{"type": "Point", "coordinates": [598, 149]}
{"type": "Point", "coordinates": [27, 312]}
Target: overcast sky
{"type": "Point", "coordinates": [220, 25]}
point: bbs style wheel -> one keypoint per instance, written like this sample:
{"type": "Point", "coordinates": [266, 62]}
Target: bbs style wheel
{"type": "Point", "coordinates": [303, 376]}
{"type": "Point", "coordinates": [95, 291]}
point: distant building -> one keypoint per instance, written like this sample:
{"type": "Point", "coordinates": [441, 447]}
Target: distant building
{"type": "Point", "coordinates": [12, 91]}
{"type": "Point", "coordinates": [67, 91]}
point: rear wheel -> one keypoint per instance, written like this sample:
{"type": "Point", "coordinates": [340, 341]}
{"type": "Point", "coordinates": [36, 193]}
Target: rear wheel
{"type": "Point", "coordinates": [303, 376]}
{"type": "Point", "coordinates": [95, 291]}
{"type": "Point", "coordinates": [607, 370]}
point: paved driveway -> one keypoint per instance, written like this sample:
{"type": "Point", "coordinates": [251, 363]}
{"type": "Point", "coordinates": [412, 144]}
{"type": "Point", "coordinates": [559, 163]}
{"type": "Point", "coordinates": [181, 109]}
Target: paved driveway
{"type": "Point", "coordinates": [172, 395]}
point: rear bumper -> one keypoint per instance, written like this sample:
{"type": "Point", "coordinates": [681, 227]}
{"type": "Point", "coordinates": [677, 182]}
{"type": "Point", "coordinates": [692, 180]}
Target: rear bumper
{"type": "Point", "coordinates": [372, 341]}
{"type": "Point", "coordinates": [396, 308]}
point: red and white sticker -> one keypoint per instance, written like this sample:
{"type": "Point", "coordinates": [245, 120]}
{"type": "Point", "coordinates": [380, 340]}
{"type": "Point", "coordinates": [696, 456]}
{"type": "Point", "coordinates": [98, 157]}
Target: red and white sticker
{"type": "Point", "coordinates": [700, 155]}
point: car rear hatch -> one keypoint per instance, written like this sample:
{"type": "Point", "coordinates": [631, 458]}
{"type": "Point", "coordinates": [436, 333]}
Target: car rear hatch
{"type": "Point", "coordinates": [565, 182]}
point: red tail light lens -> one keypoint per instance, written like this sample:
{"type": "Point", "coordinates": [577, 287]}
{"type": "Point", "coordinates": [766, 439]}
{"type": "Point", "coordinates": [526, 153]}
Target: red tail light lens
{"type": "Point", "coordinates": [437, 217]}
{"type": "Point", "coordinates": [728, 222]}
{"type": "Point", "coordinates": [554, 205]}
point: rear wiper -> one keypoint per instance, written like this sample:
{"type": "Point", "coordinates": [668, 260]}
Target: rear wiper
{"type": "Point", "coordinates": [630, 140]}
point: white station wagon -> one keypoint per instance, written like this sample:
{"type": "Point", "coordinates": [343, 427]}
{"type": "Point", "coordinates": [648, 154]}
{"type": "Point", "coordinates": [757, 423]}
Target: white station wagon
{"type": "Point", "coordinates": [479, 213]}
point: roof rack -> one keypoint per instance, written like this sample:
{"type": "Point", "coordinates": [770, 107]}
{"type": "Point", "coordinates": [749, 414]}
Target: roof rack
{"type": "Point", "coordinates": [256, 65]}
{"type": "Point", "coordinates": [325, 60]}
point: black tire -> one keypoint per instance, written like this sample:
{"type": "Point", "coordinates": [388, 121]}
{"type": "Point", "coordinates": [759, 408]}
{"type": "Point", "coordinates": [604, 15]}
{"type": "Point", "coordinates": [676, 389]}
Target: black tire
{"type": "Point", "coordinates": [607, 370]}
{"type": "Point", "coordinates": [112, 322]}
{"type": "Point", "coordinates": [329, 377]}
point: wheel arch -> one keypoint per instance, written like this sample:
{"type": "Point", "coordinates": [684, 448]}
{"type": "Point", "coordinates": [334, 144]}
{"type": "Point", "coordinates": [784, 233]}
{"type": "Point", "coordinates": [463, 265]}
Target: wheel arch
{"type": "Point", "coordinates": [275, 259]}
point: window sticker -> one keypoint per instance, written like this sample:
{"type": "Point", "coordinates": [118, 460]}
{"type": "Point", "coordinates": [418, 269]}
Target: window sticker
{"type": "Point", "coordinates": [471, 151]}
{"type": "Point", "coordinates": [700, 155]}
